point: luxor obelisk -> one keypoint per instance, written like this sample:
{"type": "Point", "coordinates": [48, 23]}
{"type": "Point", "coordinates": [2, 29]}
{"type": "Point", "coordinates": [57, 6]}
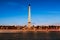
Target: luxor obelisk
{"type": "Point", "coordinates": [29, 16]}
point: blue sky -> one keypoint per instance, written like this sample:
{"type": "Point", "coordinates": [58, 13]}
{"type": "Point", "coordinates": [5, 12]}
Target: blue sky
{"type": "Point", "coordinates": [15, 12]}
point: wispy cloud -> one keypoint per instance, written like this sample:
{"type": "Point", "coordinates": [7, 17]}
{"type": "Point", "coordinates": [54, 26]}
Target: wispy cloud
{"type": "Point", "coordinates": [53, 11]}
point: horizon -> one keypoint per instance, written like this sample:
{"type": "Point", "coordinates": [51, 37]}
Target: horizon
{"type": "Point", "coordinates": [15, 12]}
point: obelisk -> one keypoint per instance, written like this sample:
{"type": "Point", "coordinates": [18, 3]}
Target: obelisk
{"type": "Point", "coordinates": [29, 16]}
